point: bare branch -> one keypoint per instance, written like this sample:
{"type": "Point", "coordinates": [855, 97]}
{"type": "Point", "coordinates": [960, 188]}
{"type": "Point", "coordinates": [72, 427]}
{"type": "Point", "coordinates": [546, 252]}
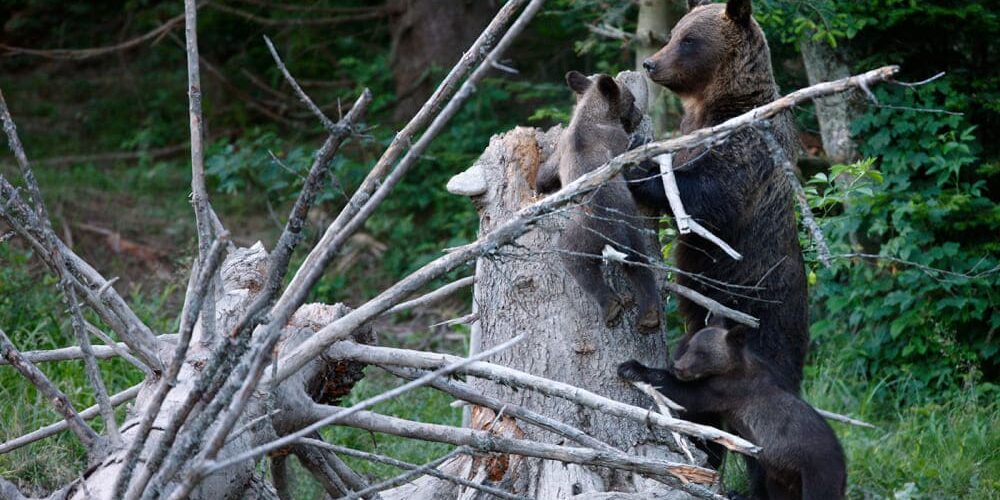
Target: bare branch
{"type": "Point", "coordinates": [836, 417]}
{"type": "Point", "coordinates": [779, 157]}
{"type": "Point", "coordinates": [119, 349]}
{"type": "Point", "coordinates": [74, 353]}
{"type": "Point", "coordinates": [417, 472]}
{"type": "Point", "coordinates": [199, 195]}
{"type": "Point", "coordinates": [335, 235]}
{"type": "Point", "coordinates": [373, 457]}
{"type": "Point", "coordinates": [60, 426]}
{"type": "Point", "coordinates": [80, 54]}
{"type": "Point", "coordinates": [50, 241]}
{"type": "Point", "coordinates": [59, 401]}
{"type": "Point", "coordinates": [685, 223]}
{"type": "Point", "coordinates": [327, 123]}
{"type": "Point", "coordinates": [433, 297]}
{"type": "Point", "coordinates": [382, 356]}
{"type": "Point", "coordinates": [488, 442]}
{"type": "Point", "coordinates": [239, 337]}
{"type": "Point", "coordinates": [315, 463]}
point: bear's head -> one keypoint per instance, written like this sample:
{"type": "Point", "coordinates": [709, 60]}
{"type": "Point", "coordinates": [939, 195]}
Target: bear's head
{"type": "Point", "coordinates": [714, 48]}
{"type": "Point", "coordinates": [713, 350]}
{"type": "Point", "coordinates": [602, 100]}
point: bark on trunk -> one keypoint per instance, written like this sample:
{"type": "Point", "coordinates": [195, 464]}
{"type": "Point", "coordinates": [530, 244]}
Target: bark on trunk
{"type": "Point", "coordinates": [823, 64]}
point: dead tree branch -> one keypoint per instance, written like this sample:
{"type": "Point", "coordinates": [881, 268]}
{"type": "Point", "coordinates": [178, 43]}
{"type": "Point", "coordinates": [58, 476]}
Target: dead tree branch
{"type": "Point", "coordinates": [308, 102]}
{"type": "Point", "coordinates": [81, 54]}
{"type": "Point", "coordinates": [808, 219]}
{"type": "Point", "coordinates": [59, 401]}
{"type": "Point", "coordinates": [193, 306]}
{"type": "Point", "coordinates": [215, 443]}
{"type": "Point", "coordinates": [199, 195]}
{"type": "Point", "coordinates": [426, 361]}
{"type": "Point", "coordinates": [60, 426]}
{"type": "Point", "coordinates": [335, 235]}
{"type": "Point", "coordinates": [49, 240]}
{"type": "Point", "coordinates": [434, 296]}
{"type": "Point", "coordinates": [685, 223]}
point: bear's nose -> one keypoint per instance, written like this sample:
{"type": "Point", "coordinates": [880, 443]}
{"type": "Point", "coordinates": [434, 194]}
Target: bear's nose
{"type": "Point", "coordinates": [649, 65]}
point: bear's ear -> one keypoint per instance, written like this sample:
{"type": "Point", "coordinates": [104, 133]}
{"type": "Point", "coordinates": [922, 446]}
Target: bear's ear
{"type": "Point", "coordinates": [739, 11]}
{"type": "Point", "coordinates": [737, 335]}
{"type": "Point", "coordinates": [577, 81]}
{"type": "Point", "coordinates": [609, 88]}
{"type": "Point", "coordinates": [697, 3]}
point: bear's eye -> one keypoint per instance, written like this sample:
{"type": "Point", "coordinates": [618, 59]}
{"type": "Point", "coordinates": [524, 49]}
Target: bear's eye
{"type": "Point", "coordinates": [688, 41]}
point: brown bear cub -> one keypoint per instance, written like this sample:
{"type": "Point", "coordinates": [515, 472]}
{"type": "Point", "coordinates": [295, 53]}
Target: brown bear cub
{"type": "Point", "coordinates": [596, 133]}
{"type": "Point", "coordinates": [718, 63]}
{"type": "Point", "coordinates": [800, 457]}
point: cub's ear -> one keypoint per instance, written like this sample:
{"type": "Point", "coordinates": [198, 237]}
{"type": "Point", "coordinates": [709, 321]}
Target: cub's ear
{"type": "Point", "coordinates": [577, 81]}
{"type": "Point", "coordinates": [697, 3]}
{"type": "Point", "coordinates": [609, 88]}
{"type": "Point", "coordinates": [737, 334]}
{"type": "Point", "coordinates": [739, 11]}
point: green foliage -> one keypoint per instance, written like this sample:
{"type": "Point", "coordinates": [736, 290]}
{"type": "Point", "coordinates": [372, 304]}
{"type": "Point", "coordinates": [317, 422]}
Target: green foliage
{"type": "Point", "coordinates": [925, 311]}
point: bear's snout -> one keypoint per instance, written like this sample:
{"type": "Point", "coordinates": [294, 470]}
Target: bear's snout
{"type": "Point", "coordinates": [649, 65]}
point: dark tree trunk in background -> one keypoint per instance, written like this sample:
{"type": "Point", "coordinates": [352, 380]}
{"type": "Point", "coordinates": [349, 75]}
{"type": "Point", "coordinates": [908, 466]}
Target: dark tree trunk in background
{"type": "Point", "coordinates": [427, 34]}
{"type": "Point", "coordinates": [656, 19]}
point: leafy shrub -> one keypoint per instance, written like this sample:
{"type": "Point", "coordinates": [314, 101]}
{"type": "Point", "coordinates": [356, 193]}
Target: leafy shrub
{"type": "Point", "coordinates": [926, 310]}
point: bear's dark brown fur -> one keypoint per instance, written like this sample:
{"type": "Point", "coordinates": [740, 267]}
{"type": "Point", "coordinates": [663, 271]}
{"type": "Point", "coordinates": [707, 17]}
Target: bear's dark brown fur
{"type": "Point", "coordinates": [801, 456]}
{"type": "Point", "coordinates": [718, 63]}
{"type": "Point", "coordinates": [609, 215]}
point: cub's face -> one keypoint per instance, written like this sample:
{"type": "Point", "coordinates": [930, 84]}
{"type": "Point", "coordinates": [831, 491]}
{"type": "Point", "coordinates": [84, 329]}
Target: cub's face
{"type": "Point", "coordinates": [711, 351]}
{"type": "Point", "coordinates": [602, 98]}
{"type": "Point", "coordinates": [699, 44]}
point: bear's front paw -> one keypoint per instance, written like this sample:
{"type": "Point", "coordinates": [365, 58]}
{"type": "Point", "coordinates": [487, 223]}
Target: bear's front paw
{"type": "Point", "coordinates": [632, 370]}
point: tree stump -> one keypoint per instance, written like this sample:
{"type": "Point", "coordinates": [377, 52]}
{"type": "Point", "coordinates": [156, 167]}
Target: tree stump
{"type": "Point", "coordinates": [527, 289]}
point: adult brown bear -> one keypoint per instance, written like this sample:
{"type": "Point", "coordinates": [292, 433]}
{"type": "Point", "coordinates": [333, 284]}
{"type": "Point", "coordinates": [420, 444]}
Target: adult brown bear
{"type": "Point", "coordinates": [718, 63]}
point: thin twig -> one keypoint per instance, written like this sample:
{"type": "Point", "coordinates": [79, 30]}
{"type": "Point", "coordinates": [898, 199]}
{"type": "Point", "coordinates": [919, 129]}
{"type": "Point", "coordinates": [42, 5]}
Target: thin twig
{"type": "Point", "coordinates": [327, 123]}
{"type": "Point", "coordinates": [779, 157]}
{"type": "Point", "coordinates": [836, 417]}
{"type": "Point", "coordinates": [434, 296]}
{"type": "Point", "coordinates": [199, 194]}
{"type": "Point", "coordinates": [81, 54]}
{"type": "Point", "coordinates": [417, 472]}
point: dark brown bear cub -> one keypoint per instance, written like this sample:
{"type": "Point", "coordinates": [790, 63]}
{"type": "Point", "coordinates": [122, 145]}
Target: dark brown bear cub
{"type": "Point", "coordinates": [718, 63]}
{"type": "Point", "coordinates": [801, 456]}
{"type": "Point", "coordinates": [608, 216]}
